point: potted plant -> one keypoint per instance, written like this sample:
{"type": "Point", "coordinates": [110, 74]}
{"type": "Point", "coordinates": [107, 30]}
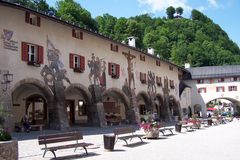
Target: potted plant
{"type": "Point", "coordinates": [8, 146]}
{"type": "Point", "coordinates": [150, 126]}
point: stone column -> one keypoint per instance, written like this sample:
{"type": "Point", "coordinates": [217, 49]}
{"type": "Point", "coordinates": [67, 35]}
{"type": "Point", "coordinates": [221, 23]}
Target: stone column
{"type": "Point", "coordinates": [96, 110]}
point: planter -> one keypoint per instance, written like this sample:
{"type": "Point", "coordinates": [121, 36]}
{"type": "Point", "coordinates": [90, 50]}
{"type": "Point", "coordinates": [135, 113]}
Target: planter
{"type": "Point", "coordinates": [9, 150]}
{"type": "Point", "coordinates": [153, 133]}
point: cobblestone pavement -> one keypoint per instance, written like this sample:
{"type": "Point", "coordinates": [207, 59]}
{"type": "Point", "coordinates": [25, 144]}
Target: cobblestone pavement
{"type": "Point", "coordinates": [208, 143]}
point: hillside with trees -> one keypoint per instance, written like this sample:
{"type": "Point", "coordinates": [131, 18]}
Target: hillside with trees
{"type": "Point", "coordinates": [197, 40]}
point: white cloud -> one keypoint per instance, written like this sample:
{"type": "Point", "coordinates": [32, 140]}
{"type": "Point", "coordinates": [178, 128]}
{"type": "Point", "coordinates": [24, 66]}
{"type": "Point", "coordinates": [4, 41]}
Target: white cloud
{"type": "Point", "coordinates": [201, 8]}
{"type": "Point", "coordinates": [213, 3]}
{"type": "Point", "coordinates": [161, 5]}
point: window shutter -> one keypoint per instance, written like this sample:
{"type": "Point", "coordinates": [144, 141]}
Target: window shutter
{"type": "Point", "coordinates": [118, 70]}
{"type": "Point", "coordinates": [40, 54]}
{"type": "Point", "coordinates": [73, 33]}
{"type": "Point", "coordinates": [71, 55]}
{"type": "Point", "coordinates": [110, 69]}
{"type": "Point", "coordinates": [111, 46]}
{"type": "Point", "coordinates": [27, 17]}
{"type": "Point", "coordinates": [205, 90]}
{"type": "Point", "coordinates": [24, 51]}
{"type": "Point", "coordinates": [116, 48]}
{"type": "Point", "coordinates": [82, 63]}
{"type": "Point", "coordinates": [145, 77]}
{"type": "Point", "coordinates": [223, 89]}
{"type": "Point", "coordinates": [140, 76]}
{"type": "Point", "coordinates": [38, 21]}
{"type": "Point", "coordinates": [81, 35]}
{"type": "Point", "coordinates": [198, 90]}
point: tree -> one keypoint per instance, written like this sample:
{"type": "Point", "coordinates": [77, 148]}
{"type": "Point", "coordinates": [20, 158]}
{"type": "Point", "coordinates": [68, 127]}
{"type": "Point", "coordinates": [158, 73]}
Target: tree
{"type": "Point", "coordinates": [73, 12]}
{"type": "Point", "coordinates": [179, 11]}
{"type": "Point", "coordinates": [170, 12]}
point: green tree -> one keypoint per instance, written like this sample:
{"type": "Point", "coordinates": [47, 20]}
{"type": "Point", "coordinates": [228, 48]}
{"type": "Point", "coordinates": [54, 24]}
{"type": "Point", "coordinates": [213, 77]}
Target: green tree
{"type": "Point", "coordinates": [170, 12]}
{"type": "Point", "coordinates": [73, 12]}
{"type": "Point", "coordinates": [179, 11]}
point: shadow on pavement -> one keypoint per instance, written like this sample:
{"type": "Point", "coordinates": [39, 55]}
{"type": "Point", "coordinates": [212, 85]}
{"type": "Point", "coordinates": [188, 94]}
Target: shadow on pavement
{"type": "Point", "coordinates": [76, 156]}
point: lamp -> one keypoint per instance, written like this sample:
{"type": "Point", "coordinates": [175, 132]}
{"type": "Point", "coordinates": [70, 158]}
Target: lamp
{"type": "Point", "coordinates": [7, 78]}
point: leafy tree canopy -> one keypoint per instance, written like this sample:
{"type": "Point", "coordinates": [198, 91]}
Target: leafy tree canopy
{"type": "Point", "coordinates": [198, 40]}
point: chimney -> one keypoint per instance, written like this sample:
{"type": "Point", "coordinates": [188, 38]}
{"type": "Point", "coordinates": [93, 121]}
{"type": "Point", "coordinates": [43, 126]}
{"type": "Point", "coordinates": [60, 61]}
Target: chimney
{"type": "Point", "coordinates": [187, 65]}
{"type": "Point", "coordinates": [131, 41]}
{"type": "Point", "coordinates": [150, 51]}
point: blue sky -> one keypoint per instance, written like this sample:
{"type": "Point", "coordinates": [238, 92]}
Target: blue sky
{"type": "Point", "coordinates": [223, 12]}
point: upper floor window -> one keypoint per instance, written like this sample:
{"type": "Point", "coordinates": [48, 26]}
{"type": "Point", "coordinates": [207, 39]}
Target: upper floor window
{"type": "Point", "coordinates": [220, 80]}
{"type": "Point", "coordinates": [143, 77]}
{"type": "Point", "coordinates": [158, 62]}
{"type": "Point", "coordinates": [32, 54]}
{"type": "Point", "coordinates": [114, 70]}
{"type": "Point", "coordinates": [220, 89]}
{"type": "Point", "coordinates": [77, 34]}
{"type": "Point", "coordinates": [114, 47]}
{"type": "Point", "coordinates": [32, 19]}
{"type": "Point", "coordinates": [233, 79]}
{"type": "Point", "coordinates": [171, 82]}
{"type": "Point", "coordinates": [77, 62]}
{"type": "Point", "coordinates": [202, 90]}
{"type": "Point", "coordinates": [232, 88]}
{"type": "Point", "coordinates": [142, 57]}
{"type": "Point", "coordinates": [171, 68]}
{"type": "Point", "coordinates": [200, 81]}
{"type": "Point", "coordinates": [159, 81]}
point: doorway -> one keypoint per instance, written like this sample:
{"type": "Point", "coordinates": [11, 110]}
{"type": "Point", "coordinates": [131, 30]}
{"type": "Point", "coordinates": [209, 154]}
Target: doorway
{"type": "Point", "coordinates": [71, 111]}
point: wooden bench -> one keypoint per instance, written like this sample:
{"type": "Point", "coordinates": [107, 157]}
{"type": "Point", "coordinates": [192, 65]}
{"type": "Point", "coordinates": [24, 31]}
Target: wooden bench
{"type": "Point", "coordinates": [125, 133]}
{"type": "Point", "coordinates": [37, 126]}
{"type": "Point", "coordinates": [52, 143]}
{"type": "Point", "coordinates": [164, 129]}
{"type": "Point", "coordinates": [188, 127]}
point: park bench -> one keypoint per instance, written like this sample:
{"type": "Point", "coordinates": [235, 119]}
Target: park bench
{"type": "Point", "coordinates": [125, 133]}
{"type": "Point", "coordinates": [54, 142]}
{"type": "Point", "coordinates": [20, 128]}
{"type": "Point", "coordinates": [188, 127]}
{"type": "Point", "coordinates": [164, 129]}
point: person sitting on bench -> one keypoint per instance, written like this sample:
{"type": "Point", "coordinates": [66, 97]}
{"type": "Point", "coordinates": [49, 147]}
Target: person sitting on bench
{"type": "Point", "coordinates": [26, 124]}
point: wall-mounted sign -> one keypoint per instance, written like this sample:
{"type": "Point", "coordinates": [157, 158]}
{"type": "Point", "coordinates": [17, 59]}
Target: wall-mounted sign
{"type": "Point", "coordinates": [8, 43]}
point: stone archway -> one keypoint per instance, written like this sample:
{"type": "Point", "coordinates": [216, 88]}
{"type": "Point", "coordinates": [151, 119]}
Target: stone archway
{"type": "Point", "coordinates": [162, 110]}
{"type": "Point", "coordinates": [143, 103]}
{"type": "Point", "coordinates": [25, 90]}
{"type": "Point", "coordinates": [79, 104]}
{"type": "Point", "coordinates": [174, 107]}
{"type": "Point", "coordinates": [116, 105]}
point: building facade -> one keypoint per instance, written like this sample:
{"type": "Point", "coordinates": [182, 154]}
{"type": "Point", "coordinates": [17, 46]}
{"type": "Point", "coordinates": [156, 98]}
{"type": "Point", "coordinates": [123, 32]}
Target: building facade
{"type": "Point", "coordinates": [211, 83]}
{"type": "Point", "coordinates": [65, 75]}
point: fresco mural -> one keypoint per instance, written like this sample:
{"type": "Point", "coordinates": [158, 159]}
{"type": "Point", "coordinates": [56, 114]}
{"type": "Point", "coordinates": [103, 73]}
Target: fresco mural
{"type": "Point", "coordinates": [53, 75]}
{"type": "Point", "coordinates": [97, 74]}
{"type": "Point", "coordinates": [55, 70]}
{"type": "Point", "coordinates": [130, 71]}
{"type": "Point", "coordinates": [151, 82]}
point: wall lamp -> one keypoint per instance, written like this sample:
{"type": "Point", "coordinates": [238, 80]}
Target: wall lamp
{"type": "Point", "coordinates": [7, 79]}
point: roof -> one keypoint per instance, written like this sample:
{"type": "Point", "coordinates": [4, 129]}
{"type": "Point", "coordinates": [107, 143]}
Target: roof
{"type": "Point", "coordinates": [214, 71]}
{"type": "Point", "coordinates": [89, 31]}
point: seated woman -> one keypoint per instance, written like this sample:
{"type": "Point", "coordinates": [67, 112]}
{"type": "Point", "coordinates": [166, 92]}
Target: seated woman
{"type": "Point", "coordinates": [26, 124]}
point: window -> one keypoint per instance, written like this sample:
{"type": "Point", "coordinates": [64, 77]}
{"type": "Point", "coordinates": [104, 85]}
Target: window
{"type": "Point", "coordinates": [82, 110]}
{"type": "Point", "coordinates": [233, 79]}
{"type": "Point", "coordinates": [77, 62]}
{"type": "Point", "coordinates": [143, 77]}
{"type": "Point", "coordinates": [180, 77]}
{"type": "Point", "coordinates": [32, 19]}
{"type": "Point", "coordinates": [158, 62]}
{"type": "Point", "coordinates": [221, 80]}
{"type": "Point", "coordinates": [171, 68]}
{"type": "Point", "coordinates": [171, 82]}
{"type": "Point", "coordinates": [142, 57]}
{"type": "Point", "coordinates": [232, 88]}
{"type": "Point", "coordinates": [32, 54]}
{"type": "Point", "coordinates": [159, 81]}
{"type": "Point", "coordinates": [114, 70]}
{"type": "Point", "coordinates": [220, 89]}
{"type": "Point", "coordinates": [114, 47]}
{"type": "Point", "coordinates": [77, 34]}
{"type": "Point", "coordinates": [202, 90]}
{"type": "Point", "coordinates": [200, 81]}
